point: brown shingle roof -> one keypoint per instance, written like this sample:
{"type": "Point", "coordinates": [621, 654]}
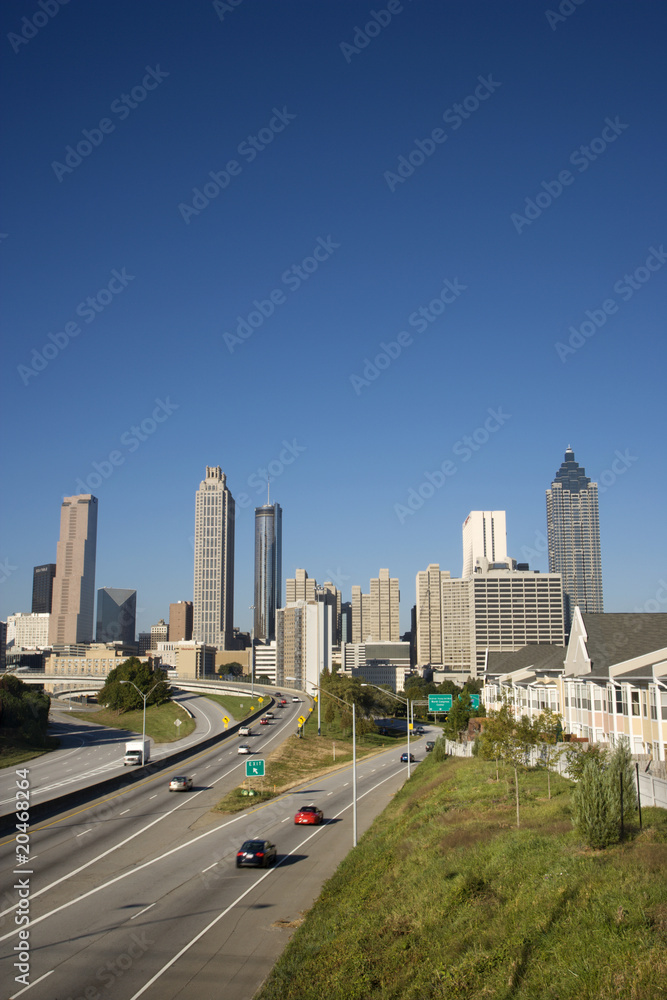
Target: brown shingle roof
{"type": "Point", "coordinates": [613, 638]}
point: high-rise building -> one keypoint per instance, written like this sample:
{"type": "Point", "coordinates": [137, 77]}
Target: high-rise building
{"type": "Point", "coordinates": [303, 643]}
{"type": "Point", "coordinates": [74, 583]}
{"type": "Point", "coordinates": [180, 621]}
{"type": "Point", "coordinates": [484, 537]}
{"type": "Point", "coordinates": [300, 587]}
{"type": "Point", "coordinates": [42, 588]}
{"type": "Point", "coordinates": [336, 599]}
{"type": "Point", "coordinates": [573, 531]}
{"type": "Point", "coordinates": [214, 561]}
{"type": "Point", "coordinates": [268, 569]}
{"type": "Point", "coordinates": [159, 633]}
{"type": "Point", "coordinates": [116, 615]}
{"type": "Point", "coordinates": [28, 631]}
{"type": "Point", "coordinates": [497, 609]}
{"type": "Point", "coordinates": [375, 616]}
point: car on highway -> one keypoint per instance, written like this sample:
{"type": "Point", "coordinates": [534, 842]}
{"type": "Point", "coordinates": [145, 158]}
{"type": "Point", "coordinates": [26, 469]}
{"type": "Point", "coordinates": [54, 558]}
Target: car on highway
{"type": "Point", "coordinates": [264, 721]}
{"type": "Point", "coordinates": [420, 731]}
{"type": "Point", "coordinates": [283, 702]}
{"type": "Point", "coordinates": [269, 715]}
{"type": "Point", "coordinates": [296, 699]}
{"type": "Point", "coordinates": [244, 748]}
{"type": "Point", "coordinates": [180, 783]}
{"type": "Point", "coordinates": [256, 854]}
{"type": "Point", "coordinates": [245, 731]}
{"type": "Point", "coordinates": [429, 745]}
{"type": "Point", "coordinates": [309, 814]}
{"type": "Point", "coordinates": [278, 694]}
{"type": "Point", "coordinates": [404, 758]}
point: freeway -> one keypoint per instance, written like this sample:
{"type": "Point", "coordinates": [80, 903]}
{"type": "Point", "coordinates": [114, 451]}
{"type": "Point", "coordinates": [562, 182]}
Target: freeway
{"type": "Point", "coordinates": [89, 753]}
{"type": "Point", "coordinates": [139, 895]}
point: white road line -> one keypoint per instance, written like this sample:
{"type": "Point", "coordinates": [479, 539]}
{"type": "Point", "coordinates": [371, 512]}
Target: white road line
{"type": "Point", "coordinates": [124, 811]}
{"type": "Point", "coordinates": [284, 820]}
{"type": "Point", "coordinates": [142, 911]}
{"type": "Point", "coordinates": [153, 796]}
{"type": "Point", "coordinates": [14, 995]}
{"type": "Point", "coordinates": [84, 831]}
{"type": "Point", "coordinates": [329, 793]}
{"type": "Point", "coordinates": [231, 906]}
{"type": "Point", "coordinates": [209, 867]}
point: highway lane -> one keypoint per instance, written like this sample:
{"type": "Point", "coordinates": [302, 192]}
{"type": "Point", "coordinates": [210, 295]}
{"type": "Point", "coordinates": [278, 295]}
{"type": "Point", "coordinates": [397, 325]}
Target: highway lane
{"type": "Point", "coordinates": [113, 833]}
{"type": "Point", "coordinates": [186, 904]}
{"type": "Point", "coordinates": [90, 752]}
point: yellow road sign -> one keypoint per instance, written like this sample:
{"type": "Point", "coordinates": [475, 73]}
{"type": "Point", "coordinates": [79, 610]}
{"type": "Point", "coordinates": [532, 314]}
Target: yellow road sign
{"type": "Point", "coordinates": [301, 720]}
{"type": "Point", "coordinates": [226, 721]}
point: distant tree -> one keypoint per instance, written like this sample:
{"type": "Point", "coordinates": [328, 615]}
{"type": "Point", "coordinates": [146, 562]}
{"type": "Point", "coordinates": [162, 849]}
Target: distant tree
{"type": "Point", "coordinates": [24, 710]}
{"type": "Point", "coordinates": [234, 668]}
{"type": "Point", "coordinates": [508, 739]}
{"type": "Point", "coordinates": [123, 697]}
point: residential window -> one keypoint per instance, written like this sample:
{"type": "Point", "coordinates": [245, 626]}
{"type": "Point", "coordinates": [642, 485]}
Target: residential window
{"type": "Point", "coordinates": [634, 696]}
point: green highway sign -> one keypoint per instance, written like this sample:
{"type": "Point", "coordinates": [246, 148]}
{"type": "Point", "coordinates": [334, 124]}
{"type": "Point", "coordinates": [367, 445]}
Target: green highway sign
{"type": "Point", "coordinates": [439, 702]}
{"type": "Point", "coordinates": [254, 769]}
{"type": "Point", "coordinates": [475, 700]}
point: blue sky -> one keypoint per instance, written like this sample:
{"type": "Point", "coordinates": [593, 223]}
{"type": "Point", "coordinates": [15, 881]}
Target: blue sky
{"type": "Point", "coordinates": [238, 324]}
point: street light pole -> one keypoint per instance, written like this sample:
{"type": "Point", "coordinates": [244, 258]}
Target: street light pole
{"type": "Point", "coordinates": [354, 756]}
{"type": "Point", "coordinates": [252, 653]}
{"type": "Point", "coordinates": [145, 697]}
{"type": "Point", "coordinates": [408, 716]}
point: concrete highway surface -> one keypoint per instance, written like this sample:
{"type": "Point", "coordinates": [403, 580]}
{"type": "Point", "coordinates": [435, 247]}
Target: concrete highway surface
{"type": "Point", "coordinates": [138, 895]}
{"type": "Point", "coordinates": [89, 753]}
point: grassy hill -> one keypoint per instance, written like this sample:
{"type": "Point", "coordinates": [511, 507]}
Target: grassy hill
{"type": "Point", "coordinates": [446, 898]}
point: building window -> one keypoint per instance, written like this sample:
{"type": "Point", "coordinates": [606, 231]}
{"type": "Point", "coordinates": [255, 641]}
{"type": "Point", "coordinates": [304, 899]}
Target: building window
{"type": "Point", "coordinates": [634, 696]}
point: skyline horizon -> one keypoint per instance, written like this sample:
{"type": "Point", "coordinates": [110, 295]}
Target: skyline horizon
{"type": "Point", "coordinates": [538, 552]}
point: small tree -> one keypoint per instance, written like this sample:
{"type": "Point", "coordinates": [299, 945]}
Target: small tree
{"type": "Point", "coordinates": [594, 806]}
{"type": "Point", "coordinates": [548, 727]}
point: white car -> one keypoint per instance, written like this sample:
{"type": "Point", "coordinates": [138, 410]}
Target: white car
{"type": "Point", "coordinates": [244, 748]}
{"type": "Point", "coordinates": [296, 699]}
{"type": "Point", "coordinates": [245, 731]}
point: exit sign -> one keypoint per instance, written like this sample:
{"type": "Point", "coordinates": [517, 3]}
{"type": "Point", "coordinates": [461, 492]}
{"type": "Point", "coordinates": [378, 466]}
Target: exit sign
{"type": "Point", "coordinates": [254, 769]}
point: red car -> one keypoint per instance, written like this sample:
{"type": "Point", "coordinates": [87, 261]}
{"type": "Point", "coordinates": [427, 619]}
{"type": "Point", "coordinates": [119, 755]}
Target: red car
{"type": "Point", "coordinates": [309, 814]}
{"type": "Point", "coordinates": [282, 701]}
{"type": "Point", "coordinates": [264, 722]}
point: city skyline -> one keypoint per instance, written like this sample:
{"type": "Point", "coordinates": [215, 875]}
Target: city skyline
{"type": "Point", "coordinates": [419, 270]}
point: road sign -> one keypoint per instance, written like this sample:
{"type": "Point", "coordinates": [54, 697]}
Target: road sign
{"type": "Point", "coordinates": [301, 720]}
{"type": "Point", "coordinates": [439, 702]}
{"type": "Point", "coordinates": [475, 700]}
{"type": "Point", "coordinates": [226, 721]}
{"type": "Point", "coordinates": [410, 726]}
{"type": "Point", "coordinates": [177, 723]}
{"type": "Point", "coordinates": [254, 769]}
{"type": "Point", "coordinates": [260, 700]}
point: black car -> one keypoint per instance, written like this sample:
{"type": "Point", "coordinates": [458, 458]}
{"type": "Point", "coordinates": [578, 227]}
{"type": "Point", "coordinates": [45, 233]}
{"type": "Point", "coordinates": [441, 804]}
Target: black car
{"type": "Point", "coordinates": [404, 758]}
{"type": "Point", "coordinates": [256, 854]}
{"type": "Point", "coordinates": [429, 745]}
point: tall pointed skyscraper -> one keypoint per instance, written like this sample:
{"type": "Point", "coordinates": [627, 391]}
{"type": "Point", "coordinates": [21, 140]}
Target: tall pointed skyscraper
{"type": "Point", "coordinates": [573, 530]}
{"type": "Point", "coordinates": [74, 582]}
{"type": "Point", "coordinates": [213, 611]}
{"type": "Point", "coordinates": [268, 569]}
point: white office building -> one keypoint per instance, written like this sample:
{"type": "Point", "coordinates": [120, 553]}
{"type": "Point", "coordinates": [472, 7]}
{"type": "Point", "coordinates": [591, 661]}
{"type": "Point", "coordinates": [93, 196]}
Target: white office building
{"type": "Point", "coordinates": [484, 537]}
{"type": "Point", "coordinates": [28, 631]}
{"type": "Point", "coordinates": [213, 611]}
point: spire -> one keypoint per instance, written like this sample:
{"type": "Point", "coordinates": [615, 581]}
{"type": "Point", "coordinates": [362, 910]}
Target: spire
{"type": "Point", "coordinates": [571, 475]}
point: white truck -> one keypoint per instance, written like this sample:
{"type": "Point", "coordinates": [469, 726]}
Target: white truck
{"type": "Point", "coordinates": [135, 750]}
{"type": "Point", "coordinates": [245, 731]}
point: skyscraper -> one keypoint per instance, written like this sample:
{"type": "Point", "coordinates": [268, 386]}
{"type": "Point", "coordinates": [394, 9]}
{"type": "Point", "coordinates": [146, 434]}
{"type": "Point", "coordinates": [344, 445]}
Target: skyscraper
{"type": "Point", "coordinates": [573, 531]}
{"type": "Point", "coordinates": [484, 537]}
{"type": "Point", "coordinates": [268, 569]}
{"type": "Point", "coordinates": [180, 621]}
{"type": "Point", "coordinates": [214, 561]}
{"type": "Point", "coordinates": [74, 583]}
{"type": "Point", "coordinates": [42, 588]}
{"type": "Point", "coordinates": [375, 616]}
{"type": "Point", "coordinates": [116, 615]}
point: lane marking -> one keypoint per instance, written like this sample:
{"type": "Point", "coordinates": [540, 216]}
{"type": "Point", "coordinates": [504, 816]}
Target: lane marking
{"type": "Point", "coordinates": [205, 870]}
{"type": "Point", "coordinates": [14, 995]}
{"type": "Point", "coordinates": [85, 831]}
{"type": "Point", "coordinates": [142, 911]}
{"type": "Point", "coordinates": [124, 811]}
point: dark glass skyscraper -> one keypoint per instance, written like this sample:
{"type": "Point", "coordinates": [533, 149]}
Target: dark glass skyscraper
{"type": "Point", "coordinates": [573, 530]}
{"type": "Point", "coordinates": [268, 569]}
{"type": "Point", "coordinates": [42, 588]}
{"type": "Point", "coordinates": [116, 615]}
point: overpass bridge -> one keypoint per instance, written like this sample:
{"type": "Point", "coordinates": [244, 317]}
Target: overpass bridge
{"type": "Point", "coordinates": [61, 684]}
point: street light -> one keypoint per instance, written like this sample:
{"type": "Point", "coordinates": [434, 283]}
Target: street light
{"type": "Point", "coordinates": [145, 697]}
{"type": "Point", "coordinates": [404, 701]}
{"type": "Point", "coordinates": [252, 653]}
{"type": "Point", "coordinates": [354, 756]}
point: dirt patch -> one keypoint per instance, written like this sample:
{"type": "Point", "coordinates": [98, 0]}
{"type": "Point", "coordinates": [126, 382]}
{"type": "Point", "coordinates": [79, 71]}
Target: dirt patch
{"type": "Point", "coordinates": [287, 925]}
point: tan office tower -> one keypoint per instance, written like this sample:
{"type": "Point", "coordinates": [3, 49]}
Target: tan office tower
{"type": "Point", "coordinates": [299, 588]}
{"type": "Point", "coordinates": [375, 616]}
{"type": "Point", "coordinates": [180, 621]}
{"type": "Point", "coordinates": [429, 615]}
{"type": "Point", "coordinates": [213, 617]}
{"type": "Point", "coordinates": [74, 583]}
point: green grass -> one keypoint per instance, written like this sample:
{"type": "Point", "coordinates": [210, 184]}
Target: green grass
{"type": "Point", "coordinates": [160, 721]}
{"type": "Point", "coordinates": [297, 760]}
{"type": "Point", "coordinates": [15, 751]}
{"type": "Point", "coordinates": [238, 708]}
{"type": "Point", "coordinates": [445, 898]}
